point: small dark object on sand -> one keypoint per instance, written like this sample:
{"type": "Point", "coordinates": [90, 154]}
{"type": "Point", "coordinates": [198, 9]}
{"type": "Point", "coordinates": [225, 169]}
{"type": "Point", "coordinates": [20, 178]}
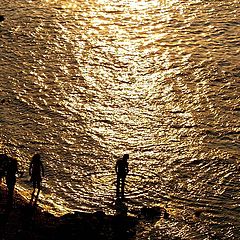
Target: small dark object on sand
{"type": "Point", "coordinates": [1, 18]}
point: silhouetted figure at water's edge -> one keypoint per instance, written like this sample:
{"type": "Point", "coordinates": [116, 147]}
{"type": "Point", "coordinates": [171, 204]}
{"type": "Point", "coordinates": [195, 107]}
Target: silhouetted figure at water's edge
{"type": "Point", "coordinates": [12, 169]}
{"type": "Point", "coordinates": [36, 171]}
{"type": "Point", "coordinates": [121, 169]}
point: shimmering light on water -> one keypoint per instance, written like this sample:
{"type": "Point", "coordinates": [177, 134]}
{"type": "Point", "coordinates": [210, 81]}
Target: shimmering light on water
{"type": "Point", "coordinates": [83, 82]}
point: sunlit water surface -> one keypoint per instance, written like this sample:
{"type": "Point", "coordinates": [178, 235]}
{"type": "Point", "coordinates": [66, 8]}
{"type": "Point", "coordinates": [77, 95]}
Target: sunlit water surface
{"type": "Point", "coordinates": [83, 82]}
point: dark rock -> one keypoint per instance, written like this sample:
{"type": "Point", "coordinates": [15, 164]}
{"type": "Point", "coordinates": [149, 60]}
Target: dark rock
{"type": "Point", "coordinates": [100, 215]}
{"type": "Point", "coordinates": [123, 227]}
{"type": "Point", "coordinates": [198, 213]}
{"type": "Point", "coordinates": [1, 18]}
{"type": "Point", "coordinates": [32, 223]}
{"type": "Point", "coordinates": [165, 214]}
{"type": "Point", "coordinates": [150, 213]}
{"type": "Point", "coordinates": [95, 225]}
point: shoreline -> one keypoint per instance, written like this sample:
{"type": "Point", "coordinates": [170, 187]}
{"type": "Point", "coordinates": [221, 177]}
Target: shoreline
{"type": "Point", "coordinates": [21, 192]}
{"type": "Point", "coordinates": [20, 220]}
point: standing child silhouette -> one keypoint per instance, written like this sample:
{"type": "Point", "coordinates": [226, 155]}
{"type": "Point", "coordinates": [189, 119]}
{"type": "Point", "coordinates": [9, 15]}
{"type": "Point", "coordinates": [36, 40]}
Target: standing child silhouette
{"type": "Point", "coordinates": [36, 171]}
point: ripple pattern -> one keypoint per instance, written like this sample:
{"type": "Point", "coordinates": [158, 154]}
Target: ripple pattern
{"type": "Point", "coordinates": [83, 82]}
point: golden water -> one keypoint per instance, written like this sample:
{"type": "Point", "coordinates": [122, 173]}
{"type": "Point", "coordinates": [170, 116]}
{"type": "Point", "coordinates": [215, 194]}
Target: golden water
{"type": "Point", "coordinates": [83, 82]}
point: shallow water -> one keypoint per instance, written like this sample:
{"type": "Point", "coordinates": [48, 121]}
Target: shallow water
{"type": "Point", "coordinates": [83, 82]}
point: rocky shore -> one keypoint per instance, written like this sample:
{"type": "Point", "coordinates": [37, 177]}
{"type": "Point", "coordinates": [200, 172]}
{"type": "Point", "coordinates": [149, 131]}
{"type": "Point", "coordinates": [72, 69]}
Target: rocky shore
{"type": "Point", "coordinates": [21, 221]}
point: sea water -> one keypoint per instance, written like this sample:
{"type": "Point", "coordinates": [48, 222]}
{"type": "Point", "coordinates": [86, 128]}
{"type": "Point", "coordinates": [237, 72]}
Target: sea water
{"type": "Point", "coordinates": [83, 82]}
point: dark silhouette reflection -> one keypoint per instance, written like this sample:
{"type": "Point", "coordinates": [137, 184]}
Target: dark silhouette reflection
{"type": "Point", "coordinates": [1, 18]}
{"type": "Point", "coordinates": [3, 166]}
{"type": "Point", "coordinates": [34, 197]}
{"type": "Point", "coordinates": [120, 207]}
{"type": "Point", "coordinates": [121, 169]}
{"type": "Point", "coordinates": [3, 170]}
{"type": "Point", "coordinates": [12, 169]}
{"type": "Point", "coordinates": [36, 171]}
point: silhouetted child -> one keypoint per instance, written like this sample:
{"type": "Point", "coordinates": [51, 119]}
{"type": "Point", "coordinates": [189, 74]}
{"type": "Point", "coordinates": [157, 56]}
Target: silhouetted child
{"type": "Point", "coordinates": [121, 169]}
{"type": "Point", "coordinates": [12, 169]}
{"type": "Point", "coordinates": [36, 171]}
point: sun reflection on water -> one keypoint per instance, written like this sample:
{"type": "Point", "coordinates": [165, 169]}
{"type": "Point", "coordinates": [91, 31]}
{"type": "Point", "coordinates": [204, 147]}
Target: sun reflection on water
{"type": "Point", "coordinates": [148, 77]}
{"type": "Point", "coordinates": [133, 4]}
{"type": "Point", "coordinates": [121, 39]}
